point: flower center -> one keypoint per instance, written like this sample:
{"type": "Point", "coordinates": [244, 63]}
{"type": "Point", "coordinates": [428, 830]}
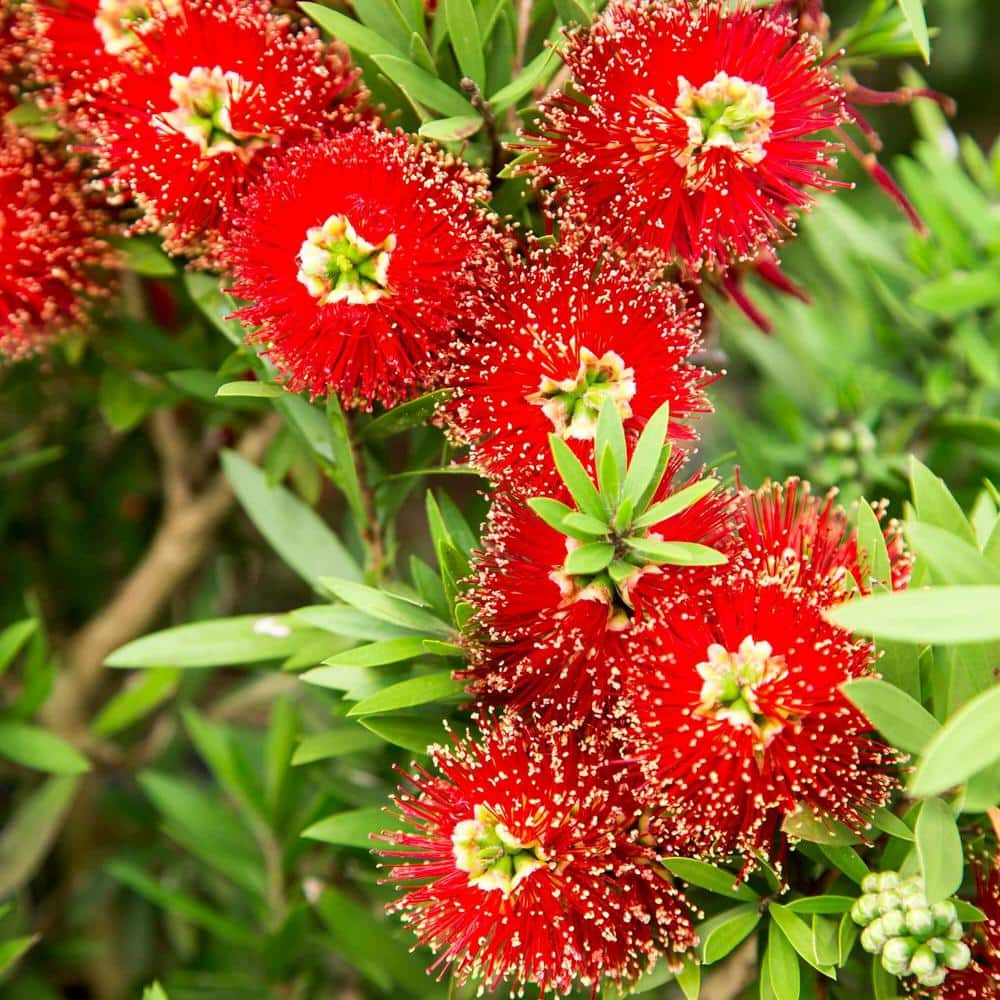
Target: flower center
{"type": "Point", "coordinates": [204, 99]}
{"type": "Point", "coordinates": [338, 265]}
{"type": "Point", "coordinates": [731, 682]}
{"type": "Point", "coordinates": [491, 854]}
{"type": "Point", "coordinates": [725, 113]}
{"type": "Point", "coordinates": [116, 19]}
{"type": "Point", "coordinates": [574, 404]}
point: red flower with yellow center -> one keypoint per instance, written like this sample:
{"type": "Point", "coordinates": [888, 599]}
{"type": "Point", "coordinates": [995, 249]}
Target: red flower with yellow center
{"type": "Point", "coordinates": [699, 135]}
{"type": "Point", "coordinates": [528, 859]}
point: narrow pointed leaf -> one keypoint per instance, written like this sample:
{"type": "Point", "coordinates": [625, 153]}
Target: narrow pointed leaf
{"type": "Point", "coordinates": [903, 721]}
{"type": "Point", "coordinates": [577, 479]}
{"type": "Point", "coordinates": [676, 553]}
{"type": "Point", "coordinates": [589, 559]}
{"type": "Point", "coordinates": [676, 503]}
{"type": "Point", "coordinates": [646, 456]}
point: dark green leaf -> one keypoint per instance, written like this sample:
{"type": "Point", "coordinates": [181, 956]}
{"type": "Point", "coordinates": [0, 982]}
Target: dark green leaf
{"type": "Point", "coordinates": [388, 607]}
{"type": "Point", "coordinates": [424, 88]}
{"type": "Point", "coordinates": [782, 964]}
{"type": "Point", "coordinates": [463, 29]}
{"type": "Point", "coordinates": [846, 860]}
{"type": "Point", "coordinates": [14, 949]}
{"type": "Point", "coordinates": [406, 694]}
{"type": "Point", "coordinates": [800, 936]}
{"type": "Point", "coordinates": [706, 876]}
{"type": "Point", "coordinates": [406, 732]}
{"type": "Point", "coordinates": [720, 935]}
{"type": "Point", "coordinates": [336, 743]}
{"type": "Point", "coordinates": [536, 72]}
{"type": "Point", "coordinates": [939, 848]}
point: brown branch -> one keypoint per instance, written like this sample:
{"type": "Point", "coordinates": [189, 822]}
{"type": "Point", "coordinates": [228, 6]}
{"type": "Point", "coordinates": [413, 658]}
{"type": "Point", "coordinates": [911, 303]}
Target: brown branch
{"type": "Point", "coordinates": [178, 547]}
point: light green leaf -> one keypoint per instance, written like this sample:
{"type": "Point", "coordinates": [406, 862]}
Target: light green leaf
{"type": "Point", "coordinates": [154, 992]}
{"type": "Point", "coordinates": [221, 642]}
{"type": "Point", "coordinates": [406, 694]}
{"type": "Point", "coordinates": [422, 87]}
{"type": "Point", "coordinates": [965, 744]}
{"type": "Point", "coordinates": [589, 559]}
{"type": "Point", "coordinates": [349, 31]}
{"type": "Point", "coordinates": [14, 949]}
{"type": "Point", "coordinates": [378, 653]}
{"type": "Point", "coordinates": [451, 130]}
{"type": "Point", "coordinates": [348, 622]}
{"type": "Point", "coordinates": [806, 825]}
{"type": "Point", "coordinates": [345, 471]}
{"type": "Point", "coordinates": [913, 11]}
{"type": "Point", "coordinates": [821, 904]}
{"type": "Point", "coordinates": [586, 524]}
{"type": "Point", "coordinates": [968, 913]}
{"type": "Point", "coordinates": [463, 29]}
{"type": "Point", "coordinates": [688, 979]}
{"type": "Point", "coordinates": [800, 936]}
{"type": "Point", "coordinates": [295, 531]}
{"type": "Point", "coordinates": [336, 743]}
{"type": "Point", "coordinates": [555, 514]}
{"type": "Point", "coordinates": [903, 721]}
{"type": "Point", "coordinates": [960, 291]}
{"type": "Point", "coordinates": [577, 479]}
{"type": "Point", "coordinates": [954, 560]}
{"type": "Point", "coordinates": [675, 503]}
{"type": "Point", "coordinates": [214, 304]}
{"type": "Point", "coordinates": [404, 731]}
{"type": "Point", "coordinates": [144, 256]}
{"type": "Point", "coordinates": [142, 695]}
{"type": "Point", "coordinates": [536, 72]}
{"type": "Point", "coordinates": [934, 503]}
{"type": "Point", "coordinates": [352, 829]}
{"type": "Point", "coordinates": [37, 748]}
{"type": "Point", "coordinates": [13, 638]}
{"type": "Point", "coordinates": [388, 607]}
{"type": "Point", "coordinates": [123, 400]}
{"type": "Point", "coordinates": [939, 849]}
{"type": "Point", "coordinates": [782, 964]}
{"type": "Point", "coordinates": [720, 935]}
{"type": "Point", "coordinates": [872, 540]}
{"type": "Point", "coordinates": [706, 876]}
{"type": "Point", "coordinates": [888, 822]}
{"type": "Point", "coordinates": [610, 434]}
{"type": "Point", "coordinates": [246, 387]}
{"type": "Point", "coordinates": [641, 479]}
{"type": "Point", "coordinates": [943, 615]}
{"type": "Point", "coordinates": [676, 553]}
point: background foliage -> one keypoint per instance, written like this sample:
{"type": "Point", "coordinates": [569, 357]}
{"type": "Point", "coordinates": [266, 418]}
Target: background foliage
{"type": "Point", "coordinates": [201, 813]}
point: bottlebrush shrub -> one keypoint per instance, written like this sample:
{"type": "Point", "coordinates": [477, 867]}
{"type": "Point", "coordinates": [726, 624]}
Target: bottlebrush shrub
{"type": "Point", "coordinates": [565, 704]}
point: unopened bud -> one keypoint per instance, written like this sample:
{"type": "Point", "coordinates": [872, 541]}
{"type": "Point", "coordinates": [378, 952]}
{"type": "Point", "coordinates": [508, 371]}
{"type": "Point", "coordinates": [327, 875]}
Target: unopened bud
{"type": "Point", "coordinates": [888, 882]}
{"type": "Point", "coordinates": [865, 909]}
{"type": "Point", "coordinates": [873, 938]}
{"type": "Point", "coordinates": [898, 950]}
{"type": "Point", "coordinates": [935, 978]}
{"type": "Point", "coordinates": [894, 924]}
{"type": "Point", "coordinates": [870, 882]}
{"type": "Point", "coordinates": [888, 901]}
{"type": "Point", "coordinates": [956, 955]}
{"type": "Point", "coordinates": [945, 915]}
{"type": "Point", "coordinates": [920, 922]}
{"type": "Point", "coordinates": [923, 962]}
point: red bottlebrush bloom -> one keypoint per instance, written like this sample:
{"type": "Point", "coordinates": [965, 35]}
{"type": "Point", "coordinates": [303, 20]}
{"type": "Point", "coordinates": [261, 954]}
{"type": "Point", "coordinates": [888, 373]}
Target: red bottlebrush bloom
{"type": "Point", "coordinates": [809, 541]}
{"type": "Point", "coordinates": [558, 342]}
{"type": "Point", "coordinates": [216, 88]}
{"type": "Point", "coordinates": [698, 140]}
{"type": "Point", "coordinates": [50, 247]}
{"type": "Point", "coordinates": [530, 862]}
{"type": "Point", "coordinates": [981, 979]}
{"type": "Point", "coordinates": [361, 255]}
{"type": "Point", "coordinates": [743, 723]}
{"type": "Point", "coordinates": [562, 647]}
{"type": "Point", "coordinates": [14, 33]}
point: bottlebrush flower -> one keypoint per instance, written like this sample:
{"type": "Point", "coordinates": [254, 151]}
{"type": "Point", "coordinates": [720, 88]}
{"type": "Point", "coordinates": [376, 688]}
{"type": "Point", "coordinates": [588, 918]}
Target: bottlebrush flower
{"type": "Point", "coordinates": [565, 600]}
{"type": "Point", "coordinates": [791, 535]}
{"type": "Point", "coordinates": [361, 255]}
{"type": "Point", "coordinates": [530, 861]}
{"type": "Point", "coordinates": [15, 30]}
{"type": "Point", "coordinates": [699, 136]}
{"type": "Point", "coordinates": [742, 721]}
{"type": "Point", "coordinates": [218, 88]}
{"type": "Point", "coordinates": [981, 980]}
{"type": "Point", "coordinates": [51, 249]}
{"type": "Point", "coordinates": [555, 344]}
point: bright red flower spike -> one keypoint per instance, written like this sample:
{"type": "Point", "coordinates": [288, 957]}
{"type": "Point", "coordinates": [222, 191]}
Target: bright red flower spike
{"type": "Point", "coordinates": [699, 136]}
{"type": "Point", "coordinates": [562, 647]}
{"type": "Point", "coordinates": [361, 256]}
{"type": "Point", "coordinates": [555, 345]}
{"type": "Point", "coordinates": [743, 723]}
{"type": "Point", "coordinates": [205, 95]}
{"type": "Point", "coordinates": [51, 247]}
{"type": "Point", "coordinates": [531, 861]}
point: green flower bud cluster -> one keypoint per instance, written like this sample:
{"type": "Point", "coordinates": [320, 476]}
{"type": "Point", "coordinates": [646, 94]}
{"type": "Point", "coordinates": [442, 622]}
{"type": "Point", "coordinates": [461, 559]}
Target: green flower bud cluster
{"type": "Point", "coordinates": [913, 937]}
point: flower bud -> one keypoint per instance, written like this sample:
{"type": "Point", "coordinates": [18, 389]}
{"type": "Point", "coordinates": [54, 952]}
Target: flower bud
{"type": "Point", "coordinates": [920, 921]}
{"type": "Point", "coordinates": [954, 932]}
{"type": "Point", "coordinates": [935, 978]}
{"type": "Point", "coordinates": [888, 882]}
{"type": "Point", "coordinates": [956, 955]}
{"type": "Point", "coordinates": [873, 938]}
{"type": "Point", "coordinates": [894, 924]}
{"type": "Point", "coordinates": [888, 901]}
{"type": "Point", "coordinates": [870, 882]}
{"type": "Point", "coordinates": [936, 944]}
{"type": "Point", "coordinates": [865, 909]}
{"type": "Point", "coordinates": [945, 915]}
{"type": "Point", "coordinates": [923, 962]}
{"type": "Point", "coordinates": [897, 951]}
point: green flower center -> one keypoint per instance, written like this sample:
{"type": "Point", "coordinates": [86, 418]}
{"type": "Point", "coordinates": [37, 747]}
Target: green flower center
{"type": "Point", "coordinates": [204, 98]}
{"type": "Point", "coordinates": [574, 404]}
{"type": "Point", "coordinates": [338, 265]}
{"type": "Point", "coordinates": [725, 113]}
{"type": "Point", "coordinates": [114, 21]}
{"type": "Point", "coordinates": [494, 858]}
{"type": "Point", "coordinates": [731, 681]}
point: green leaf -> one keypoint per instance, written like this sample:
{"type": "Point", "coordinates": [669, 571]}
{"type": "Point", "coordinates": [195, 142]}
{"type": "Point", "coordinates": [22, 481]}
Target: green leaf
{"type": "Point", "coordinates": [942, 615]}
{"type": "Point", "coordinates": [406, 694]}
{"type": "Point", "coordinates": [349, 31]}
{"type": "Point", "coordinates": [939, 849]}
{"type": "Point", "coordinates": [903, 721]}
{"type": "Point", "coordinates": [913, 11]}
{"type": "Point", "coordinates": [345, 465]}
{"type": "Point", "coordinates": [352, 829]}
{"type": "Point", "coordinates": [954, 560]}
{"type": "Point", "coordinates": [29, 833]}
{"type": "Point", "coordinates": [960, 291]}
{"type": "Point", "coordinates": [37, 748]}
{"type": "Point", "coordinates": [154, 992]}
{"type": "Point", "coordinates": [846, 860]}
{"type": "Point", "coordinates": [218, 643]}
{"type": "Point", "coordinates": [720, 935]}
{"type": "Point", "coordinates": [806, 825]}
{"type": "Point", "coordinates": [800, 937]}
{"type": "Point", "coordinates": [821, 904]}
{"type": "Point", "coordinates": [143, 694]}
{"type": "Point", "coordinates": [388, 607]}
{"type": "Point", "coordinates": [184, 906]}
{"type": "Point", "coordinates": [608, 476]}
{"type": "Point", "coordinates": [968, 913]}
{"type": "Point", "coordinates": [214, 304]}
{"type": "Point", "coordinates": [336, 743]}
{"type": "Point", "coordinates": [688, 979]}
{"type": "Point", "coordinates": [676, 553]}
{"type": "Point", "coordinates": [123, 400]}
{"type": "Point", "coordinates": [421, 86]}
{"type": "Point", "coordinates": [295, 531]}
{"type": "Point", "coordinates": [706, 876]}
{"type": "Point", "coordinates": [463, 29]}
{"type": "Point", "coordinates": [675, 503]}
{"type": "Point", "coordinates": [250, 388]}
{"type": "Point", "coordinates": [589, 559]}
{"type": "Point", "coordinates": [413, 413]}
{"type": "Point", "coordinates": [404, 731]}
{"type": "Point", "coordinates": [888, 822]}
{"type": "Point", "coordinates": [555, 514]}
{"type": "Point", "coordinates": [536, 72]}
{"type": "Point", "coordinates": [14, 949]}
{"type": "Point", "coordinates": [144, 256]}
{"type": "Point", "coordinates": [934, 503]}
{"type": "Point", "coordinates": [872, 540]}
{"type": "Point", "coordinates": [577, 479]}
{"type": "Point", "coordinates": [13, 639]}
{"type": "Point", "coordinates": [610, 434]}
{"type": "Point", "coordinates": [586, 524]}
{"type": "Point", "coordinates": [782, 964]}
{"type": "Point", "coordinates": [348, 622]}
{"type": "Point", "coordinates": [965, 744]}
{"type": "Point", "coordinates": [571, 12]}
{"type": "Point", "coordinates": [646, 457]}
{"type": "Point", "coordinates": [450, 130]}
{"type": "Point", "coordinates": [378, 653]}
